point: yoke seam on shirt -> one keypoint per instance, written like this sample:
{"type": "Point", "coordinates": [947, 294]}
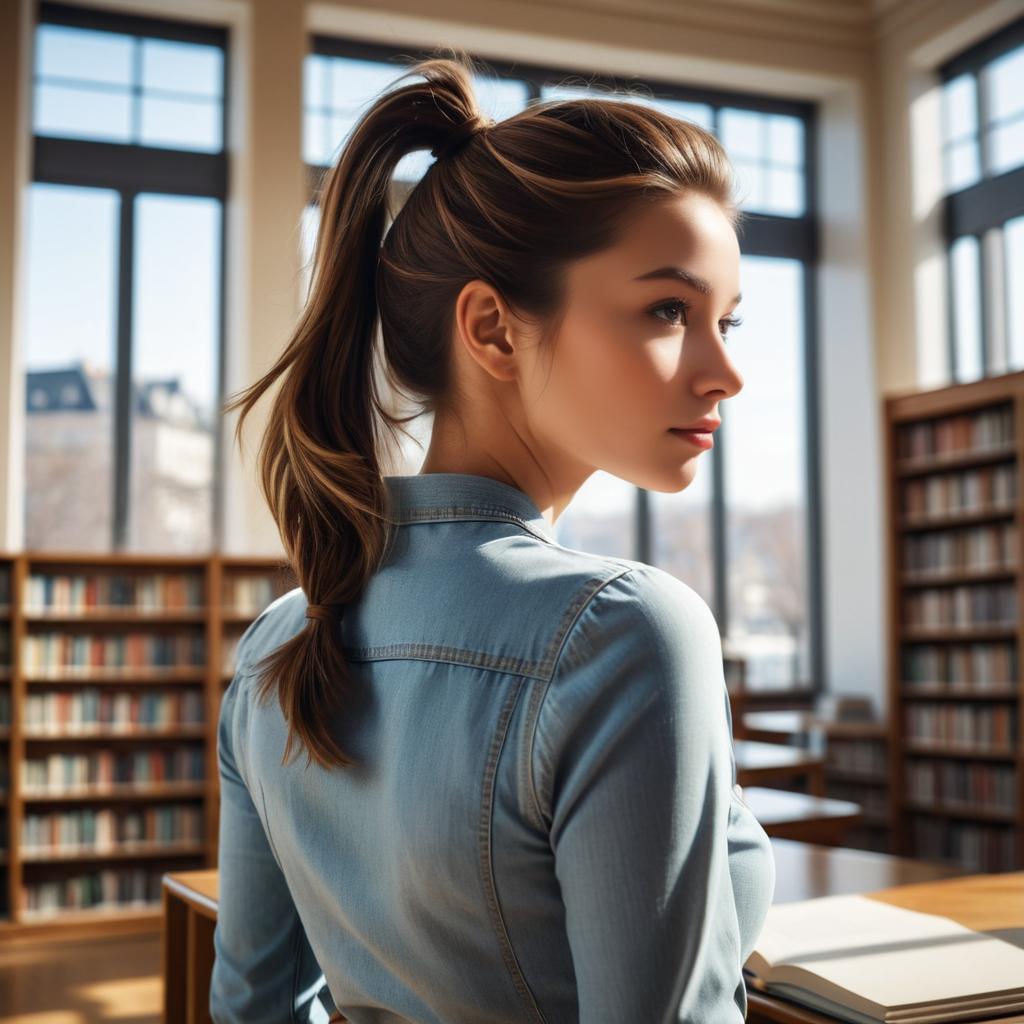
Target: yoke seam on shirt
{"type": "Point", "coordinates": [486, 868]}
{"type": "Point", "coordinates": [467, 513]}
{"type": "Point", "coordinates": [553, 657]}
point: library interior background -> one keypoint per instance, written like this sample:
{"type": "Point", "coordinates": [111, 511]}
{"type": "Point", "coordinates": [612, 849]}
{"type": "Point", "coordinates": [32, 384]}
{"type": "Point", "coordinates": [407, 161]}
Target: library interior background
{"type": "Point", "coordinates": [855, 530]}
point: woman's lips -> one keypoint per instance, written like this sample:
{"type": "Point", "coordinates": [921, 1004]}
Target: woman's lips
{"type": "Point", "coordinates": [701, 438]}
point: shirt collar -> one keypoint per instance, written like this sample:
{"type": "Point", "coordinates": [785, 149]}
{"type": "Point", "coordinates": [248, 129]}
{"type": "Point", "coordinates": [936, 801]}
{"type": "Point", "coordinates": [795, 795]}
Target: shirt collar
{"type": "Point", "coordinates": [428, 497]}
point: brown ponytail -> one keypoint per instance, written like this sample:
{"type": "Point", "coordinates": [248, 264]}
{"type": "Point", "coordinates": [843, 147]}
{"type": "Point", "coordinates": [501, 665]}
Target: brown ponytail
{"type": "Point", "coordinates": [509, 203]}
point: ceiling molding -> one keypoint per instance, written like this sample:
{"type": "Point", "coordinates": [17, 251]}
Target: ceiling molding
{"type": "Point", "coordinates": [845, 24]}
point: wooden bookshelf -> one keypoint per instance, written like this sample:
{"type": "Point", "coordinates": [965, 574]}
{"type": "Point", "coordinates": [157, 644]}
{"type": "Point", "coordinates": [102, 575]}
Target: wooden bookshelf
{"type": "Point", "coordinates": [954, 463]}
{"type": "Point", "coordinates": [112, 669]}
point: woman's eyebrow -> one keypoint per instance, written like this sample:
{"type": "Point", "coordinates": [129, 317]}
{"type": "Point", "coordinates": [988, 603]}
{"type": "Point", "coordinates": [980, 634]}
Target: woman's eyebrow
{"type": "Point", "coordinates": [678, 274]}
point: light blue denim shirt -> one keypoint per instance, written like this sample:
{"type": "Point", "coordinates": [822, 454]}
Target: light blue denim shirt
{"type": "Point", "coordinates": [544, 824]}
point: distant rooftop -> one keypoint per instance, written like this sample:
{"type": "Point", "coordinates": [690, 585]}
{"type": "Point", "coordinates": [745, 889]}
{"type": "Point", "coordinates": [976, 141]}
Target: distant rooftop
{"type": "Point", "coordinates": [80, 387]}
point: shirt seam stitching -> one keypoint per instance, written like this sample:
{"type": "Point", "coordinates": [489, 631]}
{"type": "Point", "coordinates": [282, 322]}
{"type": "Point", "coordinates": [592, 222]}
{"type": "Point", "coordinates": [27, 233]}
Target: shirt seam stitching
{"type": "Point", "coordinates": [486, 867]}
{"type": "Point", "coordinates": [537, 698]}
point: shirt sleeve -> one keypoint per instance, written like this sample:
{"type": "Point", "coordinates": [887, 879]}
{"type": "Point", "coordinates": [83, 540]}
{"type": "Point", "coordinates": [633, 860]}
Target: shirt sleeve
{"type": "Point", "coordinates": [633, 774]}
{"type": "Point", "coordinates": [264, 969]}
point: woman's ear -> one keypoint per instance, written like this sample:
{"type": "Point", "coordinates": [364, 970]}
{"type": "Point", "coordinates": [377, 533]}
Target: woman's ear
{"type": "Point", "coordinates": [485, 329]}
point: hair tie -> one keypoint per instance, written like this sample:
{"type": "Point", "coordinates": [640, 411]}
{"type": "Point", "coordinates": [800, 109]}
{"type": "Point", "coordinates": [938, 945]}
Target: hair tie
{"type": "Point", "coordinates": [325, 611]}
{"type": "Point", "coordinates": [459, 138]}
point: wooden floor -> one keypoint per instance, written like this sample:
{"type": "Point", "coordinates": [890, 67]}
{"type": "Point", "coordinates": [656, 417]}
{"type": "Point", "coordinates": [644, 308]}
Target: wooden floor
{"type": "Point", "coordinates": [81, 982]}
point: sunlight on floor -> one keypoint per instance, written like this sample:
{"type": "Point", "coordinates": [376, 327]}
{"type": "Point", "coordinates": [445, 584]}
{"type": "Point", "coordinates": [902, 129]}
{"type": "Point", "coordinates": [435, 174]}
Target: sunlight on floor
{"type": "Point", "coordinates": [123, 1000]}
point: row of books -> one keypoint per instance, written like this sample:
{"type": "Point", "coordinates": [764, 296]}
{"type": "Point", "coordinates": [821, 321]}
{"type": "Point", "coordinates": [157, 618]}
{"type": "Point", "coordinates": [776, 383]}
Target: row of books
{"type": "Point", "coordinates": [975, 490]}
{"type": "Point", "coordinates": [45, 654]}
{"type": "Point", "coordinates": [966, 605]}
{"type": "Point", "coordinates": [962, 724]}
{"type": "Point", "coordinates": [857, 757]}
{"type": "Point", "coordinates": [105, 830]}
{"type": "Point", "coordinates": [872, 799]}
{"type": "Point", "coordinates": [71, 773]}
{"type": "Point", "coordinates": [91, 709]}
{"type": "Point", "coordinates": [978, 847]}
{"type": "Point", "coordinates": [973, 666]}
{"type": "Point", "coordinates": [960, 432]}
{"type": "Point", "coordinates": [98, 590]}
{"type": "Point", "coordinates": [965, 549]}
{"type": "Point", "coordinates": [109, 889]}
{"type": "Point", "coordinates": [75, 593]}
{"type": "Point", "coordinates": [248, 593]}
{"type": "Point", "coordinates": [985, 787]}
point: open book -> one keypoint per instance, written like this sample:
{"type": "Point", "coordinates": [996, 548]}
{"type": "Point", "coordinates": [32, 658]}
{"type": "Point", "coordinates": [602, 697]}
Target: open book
{"type": "Point", "coordinates": [865, 961]}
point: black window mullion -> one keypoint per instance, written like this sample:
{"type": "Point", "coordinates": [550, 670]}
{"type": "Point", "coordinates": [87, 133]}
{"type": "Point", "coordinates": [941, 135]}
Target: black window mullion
{"type": "Point", "coordinates": [981, 114]}
{"type": "Point", "coordinates": [814, 568]}
{"type": "Point", "coordinates": [122, 404]}
{"type": "Point", "coordinates": [642, 526]}
{"type": "Point", "coordinates": [982, 270]}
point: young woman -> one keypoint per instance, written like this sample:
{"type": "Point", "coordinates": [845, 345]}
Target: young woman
{"type": "Point", "coordinates": [519, 800]}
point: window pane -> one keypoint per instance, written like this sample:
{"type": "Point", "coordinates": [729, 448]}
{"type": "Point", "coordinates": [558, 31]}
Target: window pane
{"type": "Point", "coordinates": [742, 133]}
{"type": "Point", "coordinates": [82, 113]}
{"type": "Point", "coordinates": [174, 372]}
{"type": "Point", "coordinates": [184, 110]}
{"type": "Point", "coordinates": [84, 54]}
{"type": "Point", "coordinates": [600, 518]}
{"type": "Point", "coordinates": [681, 539]}
{"type": "Point", "coordinates": [700, 113]}
{"type": "Point", "coordinates": [308, 228]}
{"type": "Point", "coordinates": [71, 337]}
{"type": "Point", "coordinates": [315, 69]}
{"type": "Point", "coordinates": [751, 185]}
{"type": "Point", "coordinates": [786, 140]}
{"type": "Point", "coordinates": [352, 85]}
{"type": "Point", "coordinates": [1005, 83]}
{"type": "Point", "coordinates": [1013, 239]}
{"type": "Point", "coordinates": [1006, 144]}
{"type": "Point", "coordinates": [764, 431]}
{"type": "Point", "coordinates": [316, 133]}
{"type": "Point", "coordinates": [182, 67]}
{"type": "Point", "coordinates": [182, 124]}
{"type": "Point", "coordinates": [959, 108]}
{"type": "Point", "coordinates": [965, 270]}
{"type": "Point", "coordinates": [785, 191]}
{"type": "Point", "coordinates": [963, 166]}
{"type": "Point", "coordinates": [501, 97]}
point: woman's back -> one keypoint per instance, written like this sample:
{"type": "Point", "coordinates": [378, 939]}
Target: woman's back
{"type": "Point", "coordinates": [542, 823]}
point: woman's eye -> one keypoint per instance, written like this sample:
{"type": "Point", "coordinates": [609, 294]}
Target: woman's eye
{"type": "Point", "coordinates": [730, 323]}
{"type": "Point", "coordinates": [681, 306]}
{"type": "Point", "coordinates": [682, 309]}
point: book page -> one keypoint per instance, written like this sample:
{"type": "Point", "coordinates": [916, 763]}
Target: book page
{"type": "Point", "coordinates": [887, 955]}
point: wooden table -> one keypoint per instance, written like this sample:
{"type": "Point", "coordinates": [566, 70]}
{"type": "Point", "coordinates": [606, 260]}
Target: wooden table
{"type": "Point", "coordinates": [759, 764]}
{"type": "Point", "coordinates": [802, 870]}
{"type": "Point", "coordinates": [190, 915]}
{"type": "Point", "coordinates": [813, 819]}
{"type": "Point", "coordinates": [787, 727]}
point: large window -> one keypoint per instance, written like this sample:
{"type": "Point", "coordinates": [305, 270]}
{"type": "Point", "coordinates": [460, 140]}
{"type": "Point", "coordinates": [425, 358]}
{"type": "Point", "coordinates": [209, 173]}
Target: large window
{"type": "Point", "coordinates": [125, 272]}
{"type": "Point", "coordinates": [983, 177]}
{"type": "Point", "coordinates": [745, 533]}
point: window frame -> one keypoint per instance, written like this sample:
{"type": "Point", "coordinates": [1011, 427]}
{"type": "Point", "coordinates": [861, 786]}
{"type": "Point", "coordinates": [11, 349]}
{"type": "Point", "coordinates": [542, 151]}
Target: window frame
{"type": "Point", "coordinates": [989, 203]}
{"type": "Point", "coordinates": [763, 234]}
{"type": "Point", "coordinates": [130, 170]}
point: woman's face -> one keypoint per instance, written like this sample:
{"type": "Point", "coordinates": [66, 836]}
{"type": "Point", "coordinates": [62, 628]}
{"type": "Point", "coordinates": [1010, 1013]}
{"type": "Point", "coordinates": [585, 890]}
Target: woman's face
{"type": "Point", "coordinates": [641, 349]}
